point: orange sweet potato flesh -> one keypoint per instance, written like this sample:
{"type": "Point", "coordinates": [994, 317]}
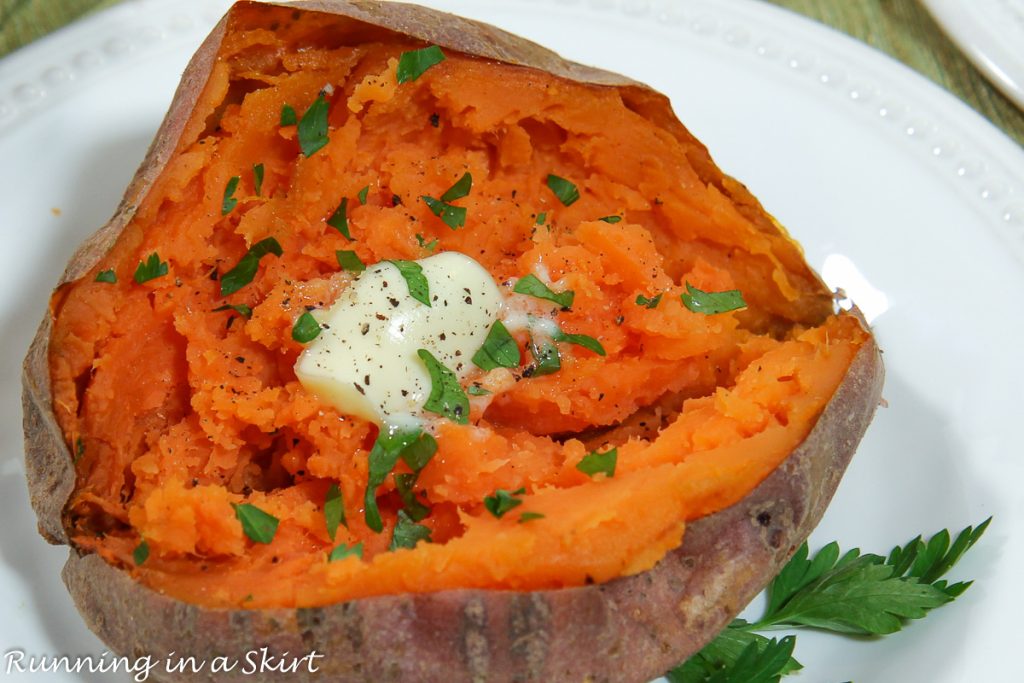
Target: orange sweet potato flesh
{"type": "Point", "coordinates": [172, 412]}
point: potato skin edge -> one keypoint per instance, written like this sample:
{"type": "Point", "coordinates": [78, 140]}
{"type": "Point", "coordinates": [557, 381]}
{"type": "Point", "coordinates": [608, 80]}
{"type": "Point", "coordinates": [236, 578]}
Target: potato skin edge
{"type": "Point", "coordinates": [630, 629]}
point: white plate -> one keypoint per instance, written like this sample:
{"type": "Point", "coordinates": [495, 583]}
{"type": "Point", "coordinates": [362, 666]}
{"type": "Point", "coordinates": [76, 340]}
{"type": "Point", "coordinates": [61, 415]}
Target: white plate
{"type": "Point", "coordinates": [991, 34]}
{"type": "Point", "coordinates": [901, 195]}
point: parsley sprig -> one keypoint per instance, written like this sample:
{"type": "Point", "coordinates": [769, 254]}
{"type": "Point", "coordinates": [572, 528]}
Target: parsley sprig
{"type": "Point", "coordinates": [847, 593]}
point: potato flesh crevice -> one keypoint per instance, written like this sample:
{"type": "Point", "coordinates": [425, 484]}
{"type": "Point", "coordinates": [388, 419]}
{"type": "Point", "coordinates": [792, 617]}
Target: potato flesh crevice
{"type": "Point", "coordinates": [179, 414]}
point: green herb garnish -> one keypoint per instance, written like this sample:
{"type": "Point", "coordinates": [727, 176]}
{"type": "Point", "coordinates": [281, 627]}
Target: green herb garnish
{"type": "Point", "coordinates": [150, 269]}
{"type": "Point", "coordinates": [595, 462]}
{"type": "Point", "coordinates": [845, 593]}
{"type": "Point", "coordinates": [528, 516]}
{"type": "Point", "coordinates": [79, 449]}
{"type": "Point", "coordinates": [500, 349]}
{"type": "Point", "coordinates": [417, 453]}
{"type": "Point", "coordinates": [477, 390]}
{"type": "Point", "coordinates": [642, 300]}
{"type": "Point", "coordinates": [257, 524]}
{"type": "Point", "coordinates": [141, 552]}
{"type": "Point", "coordinates": [243, 273]}
{"type": "Point", "coordinates": [349, 260]}
{"type": "Point", "coordinates": [408, 533]}
{"type": "Point", "coordinates": [240, 309]}
{"type": "Point", "coordinates": [306, 328]}
{"type": "Point", "coordinates": [546, 359]}
{"type": "Point", "coordinates": [531, 285]}
{"type": "Point", "coordinates": [453, 216]}
{"type": "Point", "coordinates": [412, 273]}
{"type": "Point", "coordinates": [362, 194]}
{"type": "Point", "coordinates": [343, 551]}
{"type": "Point", "coordinates": [108, 276]}
{"type": "Point", "coordinates": [391, 444]}
{"type": "Point", "coordinates": [541, 217]}
{"type": "Point", "coordinates": [257, 179]}
{"type": "Point", "coordinates": [586, 341]}
{"type": "Point", "coordinates": [429, 246]}
{"type": "Point", "coordinates": [404, 484]}
{"type": "Point", "coordinates": [313, 126]}
{"type": "Point", "coordinates": [710, 303]}
{"type": "Point", "coordinates": [413, 63]}
{"type": "Point", "coordinates": [460, 189]}
{"type": "Point", "coordinates": [229, 202]}
{"type": "Point", "coordinates": [288, 117]}
{"type": "Point", "coordinates": [446, 395]}
{"type": "Point", "coordinates": [566, 192]}
{"type": "Point", "coordinates": [339, 219]}
{"type": "Point", "coordinates": [334, 510]}
{"type": "Point", "coordinates": [610, 219]}
{"type": "Point", "coordinates": [502, 501]}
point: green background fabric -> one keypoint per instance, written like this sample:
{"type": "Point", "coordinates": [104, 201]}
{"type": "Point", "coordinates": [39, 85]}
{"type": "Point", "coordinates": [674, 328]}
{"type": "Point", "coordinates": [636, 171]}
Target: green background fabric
{"type": "Point", "coordinates": [902, 28]}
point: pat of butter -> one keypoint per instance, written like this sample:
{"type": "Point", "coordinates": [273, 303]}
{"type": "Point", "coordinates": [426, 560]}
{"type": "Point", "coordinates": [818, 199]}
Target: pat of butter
{"type": "Point", "coordinates": [364, 362]}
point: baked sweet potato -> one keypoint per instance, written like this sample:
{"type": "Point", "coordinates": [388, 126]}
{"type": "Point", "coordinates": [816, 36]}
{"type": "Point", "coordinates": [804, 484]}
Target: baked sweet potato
{"type": "Point", "coordinates": [158, 403]}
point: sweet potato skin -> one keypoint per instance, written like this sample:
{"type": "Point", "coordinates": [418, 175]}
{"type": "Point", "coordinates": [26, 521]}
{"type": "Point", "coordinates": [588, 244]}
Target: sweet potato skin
{"type": "Point", "coordinates": [631, 629]}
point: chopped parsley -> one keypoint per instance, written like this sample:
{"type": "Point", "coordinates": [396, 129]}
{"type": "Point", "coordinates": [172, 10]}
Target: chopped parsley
{"type": "Point", "coordinates": [240, 309]}
{"type": "Point", "coordinates": [566, 192]}
{"type": "Point", "coordinates": [460, 189]}
{"type": "Point", "coordinates": [404, 484]}
{"type": "Point", "coordinates": [546, 359]}
{"type": "Point", "coordinates": [653, 302]}
{"type": "Point", "coordinates": [413, 63]}
{"type": "Point", "coordinates": [414, 446]}
{"type": "Point", "coordinates": [257, 179]}
{"type": "Point", "coordinates": [339, 219]}
{"type": "Point", "coordinates": [528, 516]}
{"type": "Point", "coordinates": [362, 194]}
{"type": "Point", "coordinates": [306, 328]}
{"type": "Point", "coordinates": [150, 269]}
{"type": "Point", "coordinates": [334, 510]}
{"type": "Point", "coordinates": [595, 462]}
{"type": "Point", "coordinates": [429, 246]}
{"type": "Point", "coordinates": [532, 286]}
{"type": "Point", "coordinates": [349, 260]}
{"type": "Point", "coordinates": [412, 273]}
{"type": "Point", "coordinates": [313, 127]}
{"type": "Point", "coordinates": [477, 390]}
{"type": "Point", "coordinates": [108, 276]}
{"type": "Point", "coordinates": [710, 303]}
{"type": "Point", "coordinates": [257, 524]}
{"type": "Point", "coordinates": [610, 219]}
{"type": "Point", "coordinates": [541, 217]}
{"type": "Point", "coordinates": [408, 533]}
{"type": "Point", "coordinates": [243, 273]}
{"type": "Point", "coordinates": [586, 341]}
{"type": "Point", "coordinates": [288, 116]}
{"type": "Point", "coordinates": [453, 216]}
{"type": "Point", "coordinates": [343, 551]}
{"type": "Point", "coordinates": [499, 350]}
{"type": "Point", "coordinates": [141, 552]}
{"type": "Point", "coordinates": [229, 202]}
{"type": "Point", "coordinates": [446, 396]}
{"type": "Point", "coordinates": [502, 501]}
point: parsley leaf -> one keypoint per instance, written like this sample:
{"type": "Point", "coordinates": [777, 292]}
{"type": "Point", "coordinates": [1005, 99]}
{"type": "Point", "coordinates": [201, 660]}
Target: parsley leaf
{"type": "Point", "coordinates": [306, 328]}
{"type": "Point", "coordinates": [502, 501]}
{"type": "Point", "coordinates": [414, 446]}
{"type": "Point", "coordinates": [476, 390]}
{"type": "Point", "coordinates": [546, 359]}
{"type": "Point", "coordinates": [419, 451]}
{"type": "Point", "coordinates": [413, 63]}
{"type": "Point", "coordinates": [460, 189]}
{"type": "Point", "coordinates": [141, 552]}
{"type": "Point", "coordinates": [349, 260]}
{"type": "Point", "coordinates": [710, 303]}
{"type": "Point", "coordinates": [334, 510]}
{"type": "Point", "coordinates": [566, 192]}
{"type": "Point", "coordinates": [412, 273]}
{"type": "Point", "coordinates": [738, 656]}
{"type": "Point", "coordinates": [108, 276]}
{"type": "Point", "coordinates": [79, 449]}
{"type": "Point", "coordinates": [339, 219]}
{"type": "Point", "coordinates": [408, 533]}
{"type": "Point", "coordinates": [642, 300]}
{"type": "Point", "coordinates": [257, 179]}
{"type": "Point", "coordinates": [243, 273]}
{"type": "Point", "coordinates": [610, 219]}
{"type": "Point", "coordinates": [446, 396]}
{"type": "Point", "coordinates": [288, 116]}
{"type": "Point", "coordinates": [453, 216]}
{"type": "Point", "coordinates": [150, 269]}
{"type": "Point", "coordinates": [313, 126]}
{"type": "Point", "coordinates": [362, 194]}
{"type": "Point", "coordinates": [541, 217]}
{"type": "Point", "coordinates": [595, 462]}
{"type": "Point", "coordinates": [240, 309]}
{"type": "Point", "coordinates": [343, 551]}
{"type": "Point", "coordinates": [257, 524]}
{"type": "Point", "coordinates": [429, 246]}
{"type": "Point", "coordinates": [531, 285]}
{"type": "Point", "coordinates": [404, 484]}
{"type": "Point", "coordinates": [229, 202]}
{"type": "Point", "coordinates": [499, 350]}
{"type": "Point", "coordinates": [529, 516]}
{"type": "Point", "coordinates": [583, 340]}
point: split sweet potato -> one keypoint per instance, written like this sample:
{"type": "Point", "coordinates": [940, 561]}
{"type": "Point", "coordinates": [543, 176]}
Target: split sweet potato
{"type": "Point", "coordinates": [156, 404]}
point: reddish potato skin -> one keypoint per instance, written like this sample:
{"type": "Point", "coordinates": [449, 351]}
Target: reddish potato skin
{"type": "Point", "coordinates": [630, 629]}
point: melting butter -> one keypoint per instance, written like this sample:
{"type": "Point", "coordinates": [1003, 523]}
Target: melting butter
{"type": "Point", "coordinates": [364, 362]}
